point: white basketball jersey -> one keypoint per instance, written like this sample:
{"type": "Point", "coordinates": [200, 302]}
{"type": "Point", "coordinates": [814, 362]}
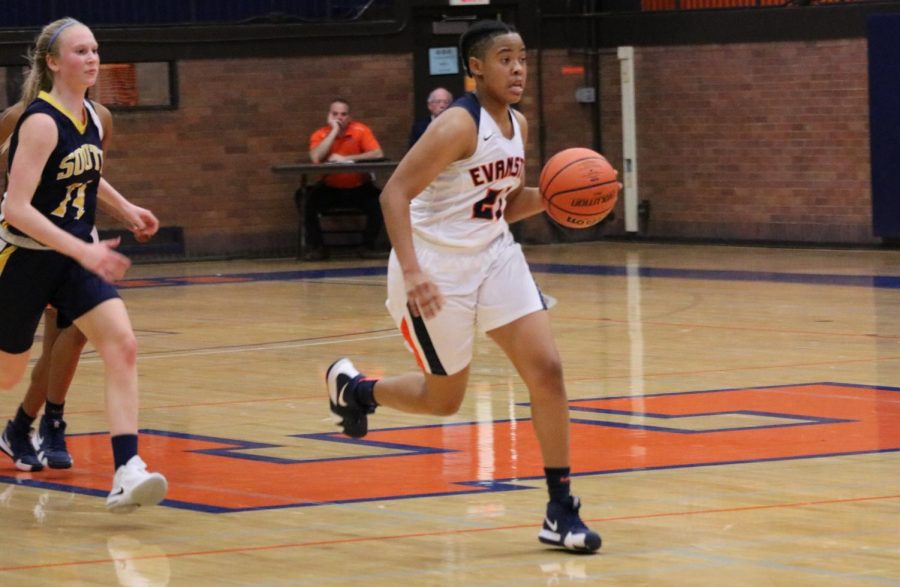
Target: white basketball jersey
{"type": "Point", "coordinates": [463, 207]}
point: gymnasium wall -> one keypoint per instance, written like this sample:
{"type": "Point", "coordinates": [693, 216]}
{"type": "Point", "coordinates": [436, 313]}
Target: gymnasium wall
{"type": "Point", "coordinates": [752, 125]}
{"type": "Point", "coordinates": [206, 166]}
{"type": "Point", "coordinates": [749, 141]}
{"type": "Point", "coordinates": [748, 138]}
{"type": "Point", "coordinates": [746, 142]}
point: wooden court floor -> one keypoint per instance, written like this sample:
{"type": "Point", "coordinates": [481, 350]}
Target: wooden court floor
{"type": "Point", "coordinates": [735, 421]}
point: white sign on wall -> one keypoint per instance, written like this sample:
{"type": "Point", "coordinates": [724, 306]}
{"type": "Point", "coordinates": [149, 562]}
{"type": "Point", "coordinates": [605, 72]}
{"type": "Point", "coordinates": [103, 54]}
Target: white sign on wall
{"type": "Point", "coordinates": [443, 61]}
{"type": "Point", "coordinates": [468, 2]}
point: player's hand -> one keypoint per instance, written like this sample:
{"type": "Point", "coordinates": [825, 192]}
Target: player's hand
{"type": "Point", "coordinates": [144, 225]}
{"type": "Point", "coordinates": [423, 296]}
{"type": "Point", "coordinates": [102, 259]}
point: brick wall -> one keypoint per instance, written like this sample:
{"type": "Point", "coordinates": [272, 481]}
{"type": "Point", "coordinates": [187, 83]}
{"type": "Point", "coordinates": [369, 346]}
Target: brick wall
{"type": "Point", "coordinates": [749, 142]}
{"type": "Point", "coordinates": [566, 124]}
{"type": "Point", "coordinates": [207, 165]}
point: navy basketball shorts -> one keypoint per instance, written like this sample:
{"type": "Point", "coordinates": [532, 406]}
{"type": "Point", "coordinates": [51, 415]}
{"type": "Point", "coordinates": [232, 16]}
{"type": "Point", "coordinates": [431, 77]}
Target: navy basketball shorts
{"type": "Point", "coordinates": [62, 321]}
{"type": "Point", "coordinates": [31, 279]}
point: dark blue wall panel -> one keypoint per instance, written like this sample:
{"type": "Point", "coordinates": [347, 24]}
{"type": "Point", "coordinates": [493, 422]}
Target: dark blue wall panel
{"type": "Point", "coordinates": [36, 13]}
{"type": "Point", "coordinates": [884, 113]}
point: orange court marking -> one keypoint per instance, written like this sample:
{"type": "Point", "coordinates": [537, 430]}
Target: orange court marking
{"type": "Point", "coordinates": [609, 435]}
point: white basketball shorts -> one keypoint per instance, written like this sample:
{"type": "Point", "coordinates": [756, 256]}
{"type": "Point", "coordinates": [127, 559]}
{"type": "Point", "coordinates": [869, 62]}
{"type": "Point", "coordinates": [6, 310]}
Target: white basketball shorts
{"type": "Point", "coordinates": [482, 290]}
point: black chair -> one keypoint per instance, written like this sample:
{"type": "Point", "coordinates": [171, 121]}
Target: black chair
{"type": "Point", "coordinates": [341, 226]}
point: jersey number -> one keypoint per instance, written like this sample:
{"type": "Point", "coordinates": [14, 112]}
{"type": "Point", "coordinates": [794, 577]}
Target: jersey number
{"type": "Point", "coordinates": [77, 202]}
{"type": "Point", "coordinates": [491, 206]}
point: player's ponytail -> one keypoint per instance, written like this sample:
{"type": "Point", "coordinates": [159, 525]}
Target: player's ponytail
{"type": "Point", "coordinates": [39, 75]}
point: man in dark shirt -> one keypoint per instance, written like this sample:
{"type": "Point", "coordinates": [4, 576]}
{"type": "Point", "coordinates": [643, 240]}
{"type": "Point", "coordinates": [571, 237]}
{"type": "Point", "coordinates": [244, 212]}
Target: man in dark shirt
{"type": "Point", "coordinates": [438, 101]}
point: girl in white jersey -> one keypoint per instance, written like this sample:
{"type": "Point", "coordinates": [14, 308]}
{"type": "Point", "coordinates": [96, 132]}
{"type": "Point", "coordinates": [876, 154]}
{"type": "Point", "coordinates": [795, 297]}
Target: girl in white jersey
{"type": "Point", "coordinates": [455, 267]}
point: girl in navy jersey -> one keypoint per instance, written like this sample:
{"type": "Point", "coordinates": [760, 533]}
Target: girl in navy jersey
{"type": "Point", "coordinates": [48, 255]}
{"type": "Point", "coordinates": [50, 380]}
{"type": "Point", "coordinates": [455, 267]}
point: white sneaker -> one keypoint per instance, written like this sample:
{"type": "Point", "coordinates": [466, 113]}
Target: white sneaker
{"type": "Point", "coordinates": [133, 487]}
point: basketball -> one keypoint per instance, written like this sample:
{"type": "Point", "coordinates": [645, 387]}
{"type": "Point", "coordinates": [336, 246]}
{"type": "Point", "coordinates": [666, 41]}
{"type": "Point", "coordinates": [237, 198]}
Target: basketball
{"type": "Point", "coordinates": [579, 186]}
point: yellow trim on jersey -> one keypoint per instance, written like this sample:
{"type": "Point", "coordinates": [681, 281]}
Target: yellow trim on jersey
{"type": "Point", "coordinates": [80, 126]}
{"type": "Point", "coordinates": [4, 255]}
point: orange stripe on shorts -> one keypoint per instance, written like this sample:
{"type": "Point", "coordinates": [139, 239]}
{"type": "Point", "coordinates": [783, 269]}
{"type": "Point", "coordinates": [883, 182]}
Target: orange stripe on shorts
{"type": "Point", "coordinates": [404, 330]}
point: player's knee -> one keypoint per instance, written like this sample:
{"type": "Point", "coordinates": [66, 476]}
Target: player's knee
{"type": "Point", "coordinates": [550, 367]}
{"type": "Point", "coordinates": [73, 339]}
{"type": "Point", "coordinates": [128, 347]}
{"type": "Point", "coordinates": [445, 406]}
{"type": "Point", "coordinates": [444, 409]}
{"type": "Point", "coordinates": [122, 349]}
{"type": "Point", "coordinates": [550, 376]}
{"type": "Point", "coordinates": [78, 337]}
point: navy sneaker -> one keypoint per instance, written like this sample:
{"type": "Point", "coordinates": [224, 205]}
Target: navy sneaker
{"type": "Point", "coordinates": [50, 443]}
{"type": "Point", "coordinates": [563, 527]}
{"type": "Point", "coordinates": [17, 445]}
{"type": "Point", "coordinates": [341, 379]}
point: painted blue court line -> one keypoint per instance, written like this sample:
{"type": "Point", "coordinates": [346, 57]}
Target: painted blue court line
{"type": "Point", "coordinates": [870, 281]}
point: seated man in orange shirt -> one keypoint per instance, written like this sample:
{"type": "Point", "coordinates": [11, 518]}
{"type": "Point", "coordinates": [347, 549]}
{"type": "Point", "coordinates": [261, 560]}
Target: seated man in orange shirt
{"type": "Point", "coordinates": [343, 139]}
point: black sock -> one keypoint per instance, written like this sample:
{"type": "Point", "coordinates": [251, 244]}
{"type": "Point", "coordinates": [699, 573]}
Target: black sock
{"type": "Point", "coordinates": [557, 483]}
{"type": "Point", "coordinates": [365, 393]}
{"type": "Point", "coordinates": [54, 411]}
{"type": "Point", "coordinates": [23, 421]}
{"type": "Point", "coordinates": [124, 447]}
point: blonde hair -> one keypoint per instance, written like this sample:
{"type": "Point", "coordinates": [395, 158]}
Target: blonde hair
{"type": "Point", "coordinates": [39, 77]}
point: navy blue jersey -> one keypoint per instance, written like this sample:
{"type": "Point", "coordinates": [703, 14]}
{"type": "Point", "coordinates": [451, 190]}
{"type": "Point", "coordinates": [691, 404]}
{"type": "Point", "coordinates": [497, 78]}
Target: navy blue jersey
{"type": "Point", "coordinates": [67, 192]}
{"type": "Point", "coordinates": [31, 276]}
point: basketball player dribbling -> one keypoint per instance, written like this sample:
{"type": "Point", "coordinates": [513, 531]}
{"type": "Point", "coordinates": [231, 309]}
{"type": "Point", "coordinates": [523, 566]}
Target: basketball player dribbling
{"type": "Point", "coordinates": [455, 266]}
{"type": "Point", "coordinates": [47, 253]}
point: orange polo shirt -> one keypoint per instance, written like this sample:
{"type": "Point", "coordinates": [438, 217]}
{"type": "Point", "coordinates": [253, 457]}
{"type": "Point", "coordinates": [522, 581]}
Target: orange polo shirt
{"type": "Point", "coordinates": [357, 138]}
